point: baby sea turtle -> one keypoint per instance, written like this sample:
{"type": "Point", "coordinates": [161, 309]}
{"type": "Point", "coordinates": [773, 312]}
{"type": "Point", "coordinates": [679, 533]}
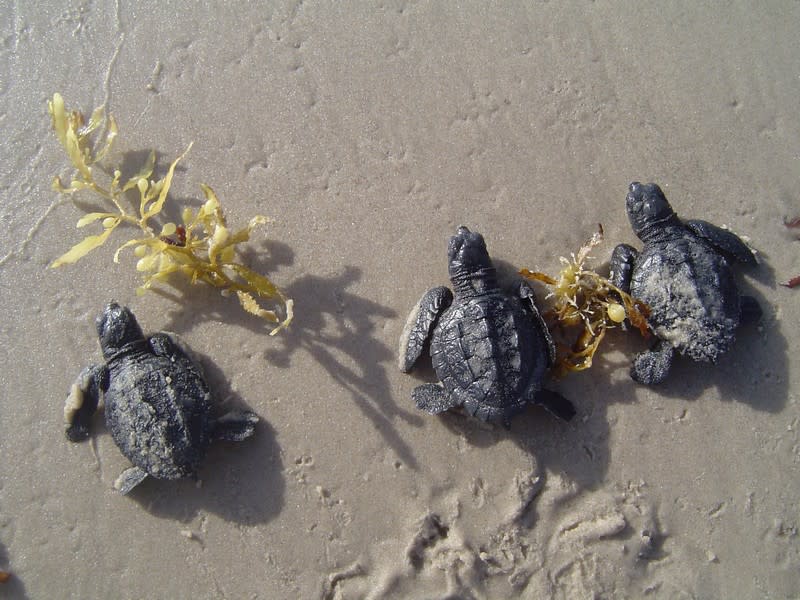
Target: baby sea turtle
{"type": "Point", "coordinates": [157, 404]}
{"type": "Point", "coordinates": [491, 350]}
{"type": "Point", "coordinates": [683, 273]}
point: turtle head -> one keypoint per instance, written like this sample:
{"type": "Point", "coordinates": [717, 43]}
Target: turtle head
{"type": "Point", "coordinates": [647, 207]}
{"type": "Point", "coordinates": [470, 265]}
{"type": "Point", "coordinates": [117, 327]}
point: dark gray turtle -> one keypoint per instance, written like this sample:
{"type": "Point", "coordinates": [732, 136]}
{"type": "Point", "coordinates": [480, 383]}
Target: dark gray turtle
{"type": "Point", "coordinates": [491, 350]}
{"type": "Point", "coordinates": [683, 273]}
{"type": "Point", "coordinates": [157, 404]}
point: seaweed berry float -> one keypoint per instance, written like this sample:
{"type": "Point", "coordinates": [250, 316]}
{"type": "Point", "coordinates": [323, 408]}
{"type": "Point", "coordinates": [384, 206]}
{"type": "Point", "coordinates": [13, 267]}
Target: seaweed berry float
{"type": "Point", "coordinates": [490, 350]}
{"type": "Point", "coordinates": [683, 272]}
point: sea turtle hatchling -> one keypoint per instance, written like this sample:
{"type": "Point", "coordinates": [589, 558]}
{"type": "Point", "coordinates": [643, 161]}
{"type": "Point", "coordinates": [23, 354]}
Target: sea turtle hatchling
{"type": "Point", "coordinates": [490, 350]}
{"type": "Point", "coordinates": [683, 273]}
{"type": "Point", "coordinates": [156, 402]}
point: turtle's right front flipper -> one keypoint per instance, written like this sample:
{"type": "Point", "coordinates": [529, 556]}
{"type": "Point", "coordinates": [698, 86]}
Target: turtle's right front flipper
{"type": "Point", "coordinates": [420, 324]}
{"type": "Point", "coordinates": [82, 401]}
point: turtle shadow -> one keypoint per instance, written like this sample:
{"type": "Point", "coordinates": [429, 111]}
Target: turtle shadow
{"type": "Point", "coordinates": [753, 371]}
{"type": "Point", "coordinates": [334, 323]}
{"type": "Point", "coordinates": [578, 449]}
{"type": "Point", "coordinates": [14, 587]}
{"type": "Point", "coordinates": [764, 273]}
{"type": "Point", "coordinates": [238, 481]}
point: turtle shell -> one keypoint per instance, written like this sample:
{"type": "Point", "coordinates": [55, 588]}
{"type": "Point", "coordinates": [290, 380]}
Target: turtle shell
{"type": "Point", "coordinates": [691, 292]}
{"type": "Point", "coordinates": [159, 413]}
{"type": "Point", "coordinates": [489, 355]}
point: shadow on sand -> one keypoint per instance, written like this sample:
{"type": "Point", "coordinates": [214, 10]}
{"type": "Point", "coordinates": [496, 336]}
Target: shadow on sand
{"type": "Point", "coordinates": [13, 586]}
{"type": "Point", "coordinates": [754, 372]}
{"type": "Point", "coordinates": [337, 329]}
{"type": "Point", "coordinates": [241, 482]}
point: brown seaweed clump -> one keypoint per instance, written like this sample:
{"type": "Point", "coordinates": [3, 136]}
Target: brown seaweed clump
{"type": "Point", "coordinates": [584, 306]}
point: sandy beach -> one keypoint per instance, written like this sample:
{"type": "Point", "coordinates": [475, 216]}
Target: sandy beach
{"type": "Point", "coordinates": [369, 132]}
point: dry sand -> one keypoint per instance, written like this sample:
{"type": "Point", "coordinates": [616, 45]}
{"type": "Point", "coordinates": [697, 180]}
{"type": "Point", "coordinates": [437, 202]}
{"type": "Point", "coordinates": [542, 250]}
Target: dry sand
{"type": "Point", "coordinates": [370, 131]}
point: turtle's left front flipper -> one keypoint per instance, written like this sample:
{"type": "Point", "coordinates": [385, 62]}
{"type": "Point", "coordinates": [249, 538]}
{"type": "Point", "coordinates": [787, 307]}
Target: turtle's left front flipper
{"type": "Point", "coordinates": [724, 241]}
{"type": "Point", "coordinates": [81, 404]}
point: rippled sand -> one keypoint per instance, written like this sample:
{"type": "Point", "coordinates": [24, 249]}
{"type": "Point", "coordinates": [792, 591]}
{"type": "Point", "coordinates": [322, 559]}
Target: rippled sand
{"type": "Point", "coordinates": [370, 133]}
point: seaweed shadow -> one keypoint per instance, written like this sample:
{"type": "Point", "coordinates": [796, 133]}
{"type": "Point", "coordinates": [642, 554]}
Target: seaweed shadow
{"type": "Point", "coordinates": [333, 322]}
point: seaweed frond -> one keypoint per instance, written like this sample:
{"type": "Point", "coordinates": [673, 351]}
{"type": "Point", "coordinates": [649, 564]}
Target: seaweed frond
{"type": "Point", "coordinates": [584, 305]}
{"type": "Point", "coordinates": [201, 248]}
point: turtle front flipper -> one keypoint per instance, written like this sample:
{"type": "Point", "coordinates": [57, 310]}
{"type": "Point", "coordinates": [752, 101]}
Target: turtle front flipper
{"type": "Point", "coordinates": [651, 367]}
{"type": "Point", "coordinates": [723, 240]}
{"type": "Point", "coordinates": [420, 324]}
{"type": "Point", "coordinates": [81, 404]}
{"type": "Point", "coordinates": [235, 426]}
{"type": "Point", "coordinates": [622, 260]}
{"type": "Point", "coordinates": [129, 479]}
{"type": "Point", "coordinates": [169, 345]}
{"type": "Point", "coordinates": [433, 399]}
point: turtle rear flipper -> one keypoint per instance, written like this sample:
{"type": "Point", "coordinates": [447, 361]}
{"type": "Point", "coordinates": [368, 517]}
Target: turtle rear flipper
{"type": "Point", "coordinates": [129, 479]}
{"type": "Point", "coordinates": [81, 404]}
{"type": "Point", "coordinates": [235, 426]}
{"type": "Point", "coordinates": [751, 311]}
{"type": "Point", "coordinates": [555, 403]}
{"type": "Point", "coordinates": [433, 399]}
{"type": "Point", "coordinates": [420, 324]}
{"type": "Point", "coordinates": [651, 367]}
{"type": "Point", "coordinates": [723, 240]}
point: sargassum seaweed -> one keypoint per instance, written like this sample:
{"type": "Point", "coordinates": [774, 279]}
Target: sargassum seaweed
{"type": "Point", "coordinates": [584, 306]}
{"type": "Point", "coordinates": [201, 248]}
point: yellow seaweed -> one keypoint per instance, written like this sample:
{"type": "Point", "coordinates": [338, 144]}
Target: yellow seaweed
{"type": "Point", "coordinates": [584, 306]}
{"type": "Point", "coordinates": [201, 248]}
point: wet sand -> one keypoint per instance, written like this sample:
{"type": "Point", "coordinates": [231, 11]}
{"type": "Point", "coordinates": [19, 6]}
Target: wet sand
{"type": "Point", "coordinates": [369, 134]}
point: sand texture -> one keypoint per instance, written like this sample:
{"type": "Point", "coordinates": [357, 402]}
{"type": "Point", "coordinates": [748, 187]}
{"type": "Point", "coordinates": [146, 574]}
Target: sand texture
{"type": "Point", "coordinates": [370, 131]}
